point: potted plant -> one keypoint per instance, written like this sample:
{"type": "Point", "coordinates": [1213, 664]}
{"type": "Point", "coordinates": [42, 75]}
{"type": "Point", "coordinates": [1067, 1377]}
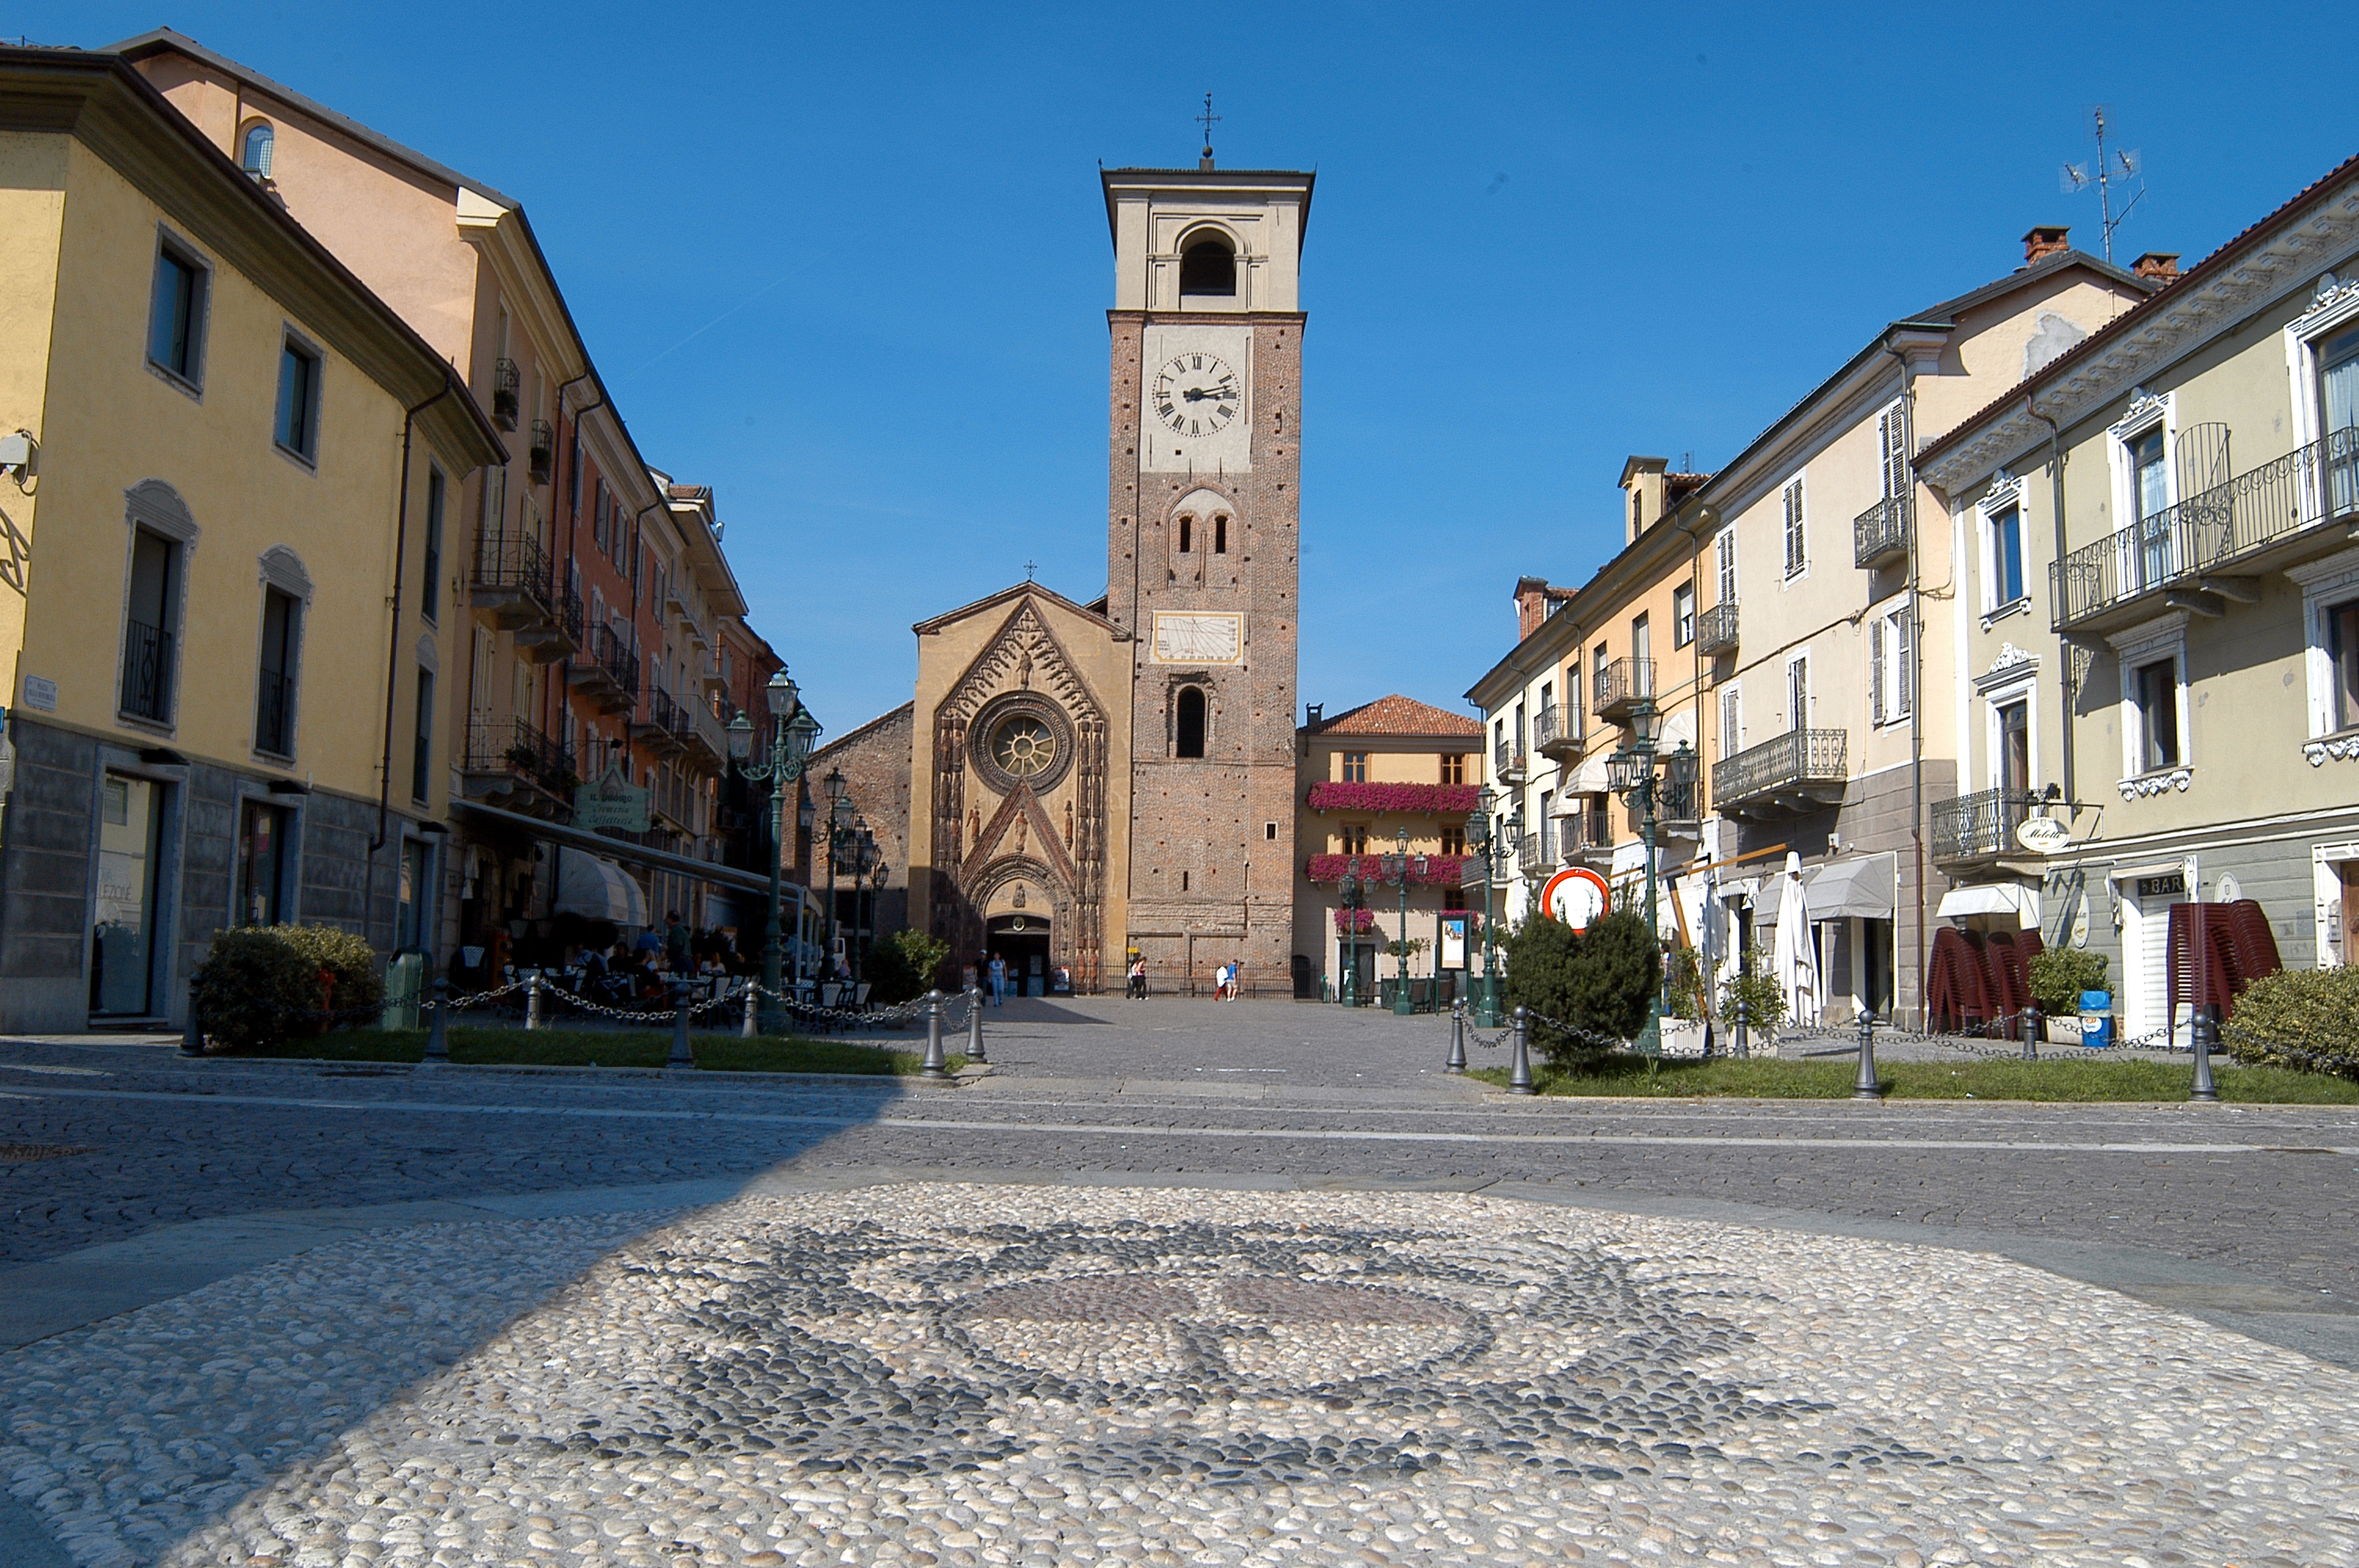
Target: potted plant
{"type": "Point", "coordinates": [2059, 977]}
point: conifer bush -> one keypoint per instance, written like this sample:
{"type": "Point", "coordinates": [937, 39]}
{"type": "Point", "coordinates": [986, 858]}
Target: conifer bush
{"type": "Point", "coordinates": [1599, 981]}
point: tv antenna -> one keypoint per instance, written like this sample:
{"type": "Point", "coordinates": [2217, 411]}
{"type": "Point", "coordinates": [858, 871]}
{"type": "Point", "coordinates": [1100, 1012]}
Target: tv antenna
{"type": "Point", "coordinates": [2112, 164]}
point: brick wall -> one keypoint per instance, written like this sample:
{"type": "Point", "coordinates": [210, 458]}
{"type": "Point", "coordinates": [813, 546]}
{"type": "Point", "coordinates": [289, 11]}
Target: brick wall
{"type": "Point", "coordinates": [874, 762]}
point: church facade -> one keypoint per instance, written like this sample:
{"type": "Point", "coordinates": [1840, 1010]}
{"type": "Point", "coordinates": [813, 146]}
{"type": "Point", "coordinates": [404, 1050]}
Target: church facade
{"type": "Point", "coordinates": [1091, 783]}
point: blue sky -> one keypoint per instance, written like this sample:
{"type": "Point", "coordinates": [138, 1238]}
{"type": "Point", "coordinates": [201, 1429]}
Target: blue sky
{"type": "Point", "coordinates": [849, 265]}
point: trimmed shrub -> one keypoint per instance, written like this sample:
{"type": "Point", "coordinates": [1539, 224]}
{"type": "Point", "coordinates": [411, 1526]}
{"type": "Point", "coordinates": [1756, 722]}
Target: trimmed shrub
{"type": "Point", "coordinates": [2298, 1018]}
{"type": "Point", "coordinates": [904, 966]}
{"type": "Point", "coordinates": [350, 962]}
{"type": "Point", "coordinates": [1599, 980]}
{"type": "Point", "coordinates": [256, 989]}
{"type": "Point", "coordinates": [2059, 975]}
{"type": "Point", "coordinates": [1765, 1000]}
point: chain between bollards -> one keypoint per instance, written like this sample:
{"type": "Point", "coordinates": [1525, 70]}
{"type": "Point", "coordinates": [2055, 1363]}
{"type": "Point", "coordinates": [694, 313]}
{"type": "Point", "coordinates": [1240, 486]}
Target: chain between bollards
{"type": "Point", "coordinates": [2202, 1030]}
{"type": "Point", "coordinates": [1519, 1073]}
{"type": "Point", "coordinates": [438, 1034]}
{"type": "Point", "coordinates": [1865, 1087]}
{"type": "Point", "coordinates": [1457, 1063]}
{"type": "Point", "coordinates": [681, 1056]}
{"type": "Point", "coordinates": [974, 1024]}
{"type": "Point", "coordinates": [532, 1019]}
{"type": "Point", "coordinates": [936, 1065]}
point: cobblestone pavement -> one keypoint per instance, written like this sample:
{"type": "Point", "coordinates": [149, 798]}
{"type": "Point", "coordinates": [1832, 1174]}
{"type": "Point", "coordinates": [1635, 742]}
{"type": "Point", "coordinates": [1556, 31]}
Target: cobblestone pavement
{"type": "Point", "coordinates": [914, 1374]}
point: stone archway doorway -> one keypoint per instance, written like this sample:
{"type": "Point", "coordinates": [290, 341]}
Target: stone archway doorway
{"type": "Point", "coordinates": [1023, 941]}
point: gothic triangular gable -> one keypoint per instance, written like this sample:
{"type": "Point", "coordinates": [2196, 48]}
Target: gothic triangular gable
{"type": "Point", "coordinates": [996, 831]}
{"type": "Point", "coordinates": [1025, 649]}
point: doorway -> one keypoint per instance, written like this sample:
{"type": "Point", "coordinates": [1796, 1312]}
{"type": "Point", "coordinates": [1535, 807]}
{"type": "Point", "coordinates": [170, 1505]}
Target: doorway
{"type": "Point", "coordinates": [1023, 941]}
{"type": "Point", "coordinates": [123, 952]}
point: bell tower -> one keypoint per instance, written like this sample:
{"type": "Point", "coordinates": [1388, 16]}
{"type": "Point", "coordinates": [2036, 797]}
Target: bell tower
{"type": "Point", "coordinates": [1202, 558]}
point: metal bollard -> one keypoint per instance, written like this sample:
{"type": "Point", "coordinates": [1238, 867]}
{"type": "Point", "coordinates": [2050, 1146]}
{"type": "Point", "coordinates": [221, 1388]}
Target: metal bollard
{"type": "Point", "coordinates": [192, 1034]}
{"type": "Point", "coordinates": [2028, 1021]}
{"type": "Point", "coordinates": [936, 1065]}
{"type": "Point", "coordinates": [532, 1019]}
{"type": "Point", "coordinates": [438, 1034]}
{"type": "Point", "coordinates": [2201, 1030]}
{"type": "Point", "coordinates": [974, 1024]}
{"type": "Point", "coordinates": [749, 1028]}
{"type": "Point", "coordinates": [1743, 1027]}
{"type": "Point", "coordinates": [681, 1056]}
{"type": "Point", "coordinates": [1519, 1071]}
{"type": "Point", "coordinates": [1865, 1087]}
{"type": "Point", "coordinates": [1457, 1063]}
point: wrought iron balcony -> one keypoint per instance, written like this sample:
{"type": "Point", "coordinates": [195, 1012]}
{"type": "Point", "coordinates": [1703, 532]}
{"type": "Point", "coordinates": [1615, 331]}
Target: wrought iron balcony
{"type": "Point", "coordinates": [655, 726]}
{"type": "Point", "coordinates": [1589, 832]}
{"type": "Point", "coordinates": [1801, 769]}
{"type": "Point", "coordinates": [147, 672]}
{"type": "Point", "coordinates": [274, 714]}
{"type": "Point", "coordinates": [505, 381]}
{"type": "Point", "coordinates": [1532, 856]}
{"type": "Point", "coordinates": [700, 733]}
{"type": "Point", "coordinates": [1510, 763]}
{"type": "Point", "coordinates": [541, 453]}
{"type": "Point", "coordinates": [1981, 826]}
{"type": "Point", "coordinates": [608, 671]}
{"type": "Point", "coordinates": [1880, 534]}
{"type": "Point", "coordinates": [510, 761]}
{"type": "Point", "coordinates": [1553, 735]}
{"type": "Point", "coordinates": [1716, 630]}
{"type": "Point", "coordinates": [511, 579]}
{"type": "Point", "coordinates": [557, 635]}
{"type": "Point", "coordinates": [2206, 549]}
{"type": "Point", "coordinates": [1621, 687]}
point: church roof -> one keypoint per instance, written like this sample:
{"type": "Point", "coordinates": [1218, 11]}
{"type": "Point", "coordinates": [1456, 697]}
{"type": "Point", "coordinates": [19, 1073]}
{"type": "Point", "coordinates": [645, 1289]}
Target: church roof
{"type": "Point", "coordinates": [1399, 716]}
{"type": "Point", "coordinates": [1012, 591]}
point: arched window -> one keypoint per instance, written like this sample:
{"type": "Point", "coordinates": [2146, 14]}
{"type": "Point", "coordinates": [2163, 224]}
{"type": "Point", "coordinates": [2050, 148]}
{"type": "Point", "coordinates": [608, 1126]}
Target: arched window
{"type": "Point", "coordinates": [254, 156]}
{"type": "Point", "coordinates": [1186, 527]}
{"type": "Point", "coordinates": [1191, 722]}
{"type": "Point", "coordinates": [1221, 535]}
{"type": "Point", "coordinates": [1209, 267]}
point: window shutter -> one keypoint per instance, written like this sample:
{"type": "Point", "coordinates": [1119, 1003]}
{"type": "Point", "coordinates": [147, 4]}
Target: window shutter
{"type": "Point", "coordinates": [1892, 431]}
{"type": "Point", "coordinates": [1904, 642]}
{"type": "Point", "coordinates": [1732, 734]}
{"type": "Point", "coordinates": [1875, 671]}
{"type": "Point", "coordinates": [1794, 551]}
{"type": "Point", "coordinates": [1728, 565]}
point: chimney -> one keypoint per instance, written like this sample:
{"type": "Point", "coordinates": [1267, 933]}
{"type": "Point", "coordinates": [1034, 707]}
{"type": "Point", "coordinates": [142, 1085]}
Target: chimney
{"type": "Point", "coordinates": [1531, 605]}
{"type": "Point", "coordinates": [2160, 265]}
{"type": "Point", "coordinates": [2045, 240]}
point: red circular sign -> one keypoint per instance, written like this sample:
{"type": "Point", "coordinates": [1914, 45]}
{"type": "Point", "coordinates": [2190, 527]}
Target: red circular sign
{"type": "Point", "coordinates": [1576, 895]}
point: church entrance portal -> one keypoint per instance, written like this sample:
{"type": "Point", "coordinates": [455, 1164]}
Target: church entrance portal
{"type": "Point", "coordinates": [1023, 941]}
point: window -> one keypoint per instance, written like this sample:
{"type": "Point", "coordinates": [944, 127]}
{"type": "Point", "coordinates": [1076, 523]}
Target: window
{"type": "Point", "coordinates": [1189, 714]}
{"type": "Point", "coordinates": [149, 627]}
{"type": "Point", "coordinates": [176, 319]}
{"type": "Point", "coordinates": [1208, 267]}
{"type": "Point", "coordinates": [1547, 697]}
{"type": "Point", "coordinates": [2006, 557]}
{"type": "Point", "coordinates": [1724, 558]}
{"type": "Point", "coordinates": [274, 707]}
{"type": "Point", "coordinates": [298, 430]}
{"type": "Point", "coordinates": [2156, 687]}
{"type": "Point", "coordinates": [1642, 654]}
{"type": "Point", "coordinates": [1186, 528]}
{"type": "Point", "coordinates": [1732, 729]}
{"type": "Point", "coordinates": [2150, 493]}
{"type": "Point", "coordinates": [261, 858]}
{"type": "Point", "coordinates": [599, 536]}
{"type": "Point", "coordinates": [1548, 827]}
{"type": "Point", "coordinates": [1221, 535]}
{"type": "Point", "coordinates": [422, 760]}
{"type": "Point", "coordinates": [1797, 553]}
{"type": "Point", "coordinates": [410, 898]}
{"type": "Point", "coordinates": [1453, 768]}
{"type": "Point", "coordinates": [253, 153]}
{"type": "Point", "coordinates": [1889, 683]}
{"type": "Point", "coordinates": [1453, 841]}
{"type": "Point", "coordinates": [1520, 730]}
{"type": "Point", "coordinates": [1683, 615]}
{"type": "Point", "coordinates": [2343, 653]}
{"type": "Point", "coordinates": [1356, 838]}
{"type": "Point", "coordinates": [2338, 376]}
{"type": "Point", "coordinates": [2015, 748]}
{"type": "Point", "coordinates": [1797, 694]}
{"type": "Point", "coordinates": [1355, 767]}
{"type": "Point", "coordinates": [430, 593]}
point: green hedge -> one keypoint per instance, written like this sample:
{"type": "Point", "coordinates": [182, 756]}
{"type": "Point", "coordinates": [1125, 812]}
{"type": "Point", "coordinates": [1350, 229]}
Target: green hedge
{"type": "Point", "coordinates": [265, 984]}
{"type": "Point", "coordinates": [1599, 979]}
{"type": "Point", "coordinates": [2298, 1018]}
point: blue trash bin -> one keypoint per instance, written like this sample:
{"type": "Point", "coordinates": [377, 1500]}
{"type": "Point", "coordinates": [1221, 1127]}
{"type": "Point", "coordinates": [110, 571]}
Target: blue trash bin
{"type": "Point", "coordinates": [2097, 1019]}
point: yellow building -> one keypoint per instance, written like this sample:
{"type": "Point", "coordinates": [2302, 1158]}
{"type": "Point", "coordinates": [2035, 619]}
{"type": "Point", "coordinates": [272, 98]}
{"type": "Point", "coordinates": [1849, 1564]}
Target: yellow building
{"type": "Point", "coordinates": [226, 442]}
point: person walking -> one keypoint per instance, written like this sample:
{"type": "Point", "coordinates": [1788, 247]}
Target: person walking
{"type": "Point", "coordinates": [1138, 978]}
{"type": "Point", "coordinates": [677, 958]}
{"type": "Point", "coordinates": [998, 981]}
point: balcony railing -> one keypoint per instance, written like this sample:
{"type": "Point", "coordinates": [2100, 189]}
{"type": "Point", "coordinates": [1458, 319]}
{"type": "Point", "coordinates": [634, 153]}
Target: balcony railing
{"type": "Point", "coordinates": [505, 381]}
{"type": "Point", "coordinates": [1553, 734]}
{"type": "Point", "coordinates": [1592, 828]}
{"type": "Point", "coordinates": [608, 672]}
{"type": "Point", "coordinates": [1981, 826]}
{"type": "Point", "coordinates": [2214, 530]}
{"type": "Point", "coordinates": [511, 578]}
{"type": "Point", "coordinates": [540, 453]}
{"type": "Point", "coordinates": [274, 714]}
{"type": "Point", "coordinates": [700, 731]}
{"type": "Point", "coordinates": [1508, 760]}
{"type": "Point", "coordinates": [1799, 771]}
{"type": "Point", "coordinates": [147, 671]}
{"type": "Point", "coordinates": [1880, 534]}
{"type": "Point", "coordinates": [519, 750]}
{"type": "Point", "coordinates": [1622, 685]}
{"type": "Point", "coordinates": [1532, 856]}
{"type": "Point", "coordinates": [1716, 630]}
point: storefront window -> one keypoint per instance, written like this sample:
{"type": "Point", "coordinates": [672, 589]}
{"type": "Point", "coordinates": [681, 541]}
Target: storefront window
{"type": "Point", "coordinates": [261, 858]}
{"type": "Point", "coordinates": [122, 921]}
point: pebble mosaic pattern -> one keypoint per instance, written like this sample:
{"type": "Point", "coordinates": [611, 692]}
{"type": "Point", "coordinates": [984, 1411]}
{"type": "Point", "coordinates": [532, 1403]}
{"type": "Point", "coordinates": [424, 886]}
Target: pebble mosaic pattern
{"type": "Point", "coordinates": [969, 1375]}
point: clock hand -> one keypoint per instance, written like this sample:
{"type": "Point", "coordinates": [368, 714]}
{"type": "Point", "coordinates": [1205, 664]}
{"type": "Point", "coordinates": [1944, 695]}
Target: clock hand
{"type": "Point", "coordinates": [1198, 394]}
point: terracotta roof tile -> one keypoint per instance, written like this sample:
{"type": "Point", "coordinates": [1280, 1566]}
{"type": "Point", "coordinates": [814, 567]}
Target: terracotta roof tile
{"type": "Point", "coordinates": [1398, 715]}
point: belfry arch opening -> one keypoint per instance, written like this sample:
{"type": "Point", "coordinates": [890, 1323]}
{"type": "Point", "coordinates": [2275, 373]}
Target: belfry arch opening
{"type": "Point", "coordinates": [1208, 268]}
{"type": "Point", "coordinates": [1188, 722]}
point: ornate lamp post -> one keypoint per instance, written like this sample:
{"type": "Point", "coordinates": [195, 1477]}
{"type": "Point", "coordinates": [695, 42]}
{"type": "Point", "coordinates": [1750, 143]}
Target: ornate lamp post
{"type": "Point", "coordinates": [1351, 893]}
{"type": "Point", "coordinates": [1397, 874]}
{"type": "Point", "coordinates": [792, 732]}
{"type": "Point", "coordinates": [1492, 839]}
{"type": "Point", "coordinates": [839, 822]}
{"type": "Point", "coordinates": [1631, 773]}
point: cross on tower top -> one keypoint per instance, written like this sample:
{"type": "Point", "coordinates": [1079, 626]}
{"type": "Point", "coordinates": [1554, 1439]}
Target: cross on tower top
{"type": "Point", "coordinates": [1208, 120]}
{"type": "Point", "coordinates": [1028, 570]}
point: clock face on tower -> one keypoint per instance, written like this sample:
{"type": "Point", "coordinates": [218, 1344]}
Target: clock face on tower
{"type": "Point", "coordinates": [1195, 393]}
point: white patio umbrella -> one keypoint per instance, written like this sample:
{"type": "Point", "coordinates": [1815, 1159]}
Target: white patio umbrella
{"type": "Point", "coordinates": [1794, 954]}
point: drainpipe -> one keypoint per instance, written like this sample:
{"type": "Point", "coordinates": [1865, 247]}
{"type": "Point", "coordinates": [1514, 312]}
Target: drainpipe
{"type": "Point", "coordinates": [1915, 672]}
{"type": "Point", "coordinates": [393, 653]}
{"type": "Point", "coordinates": [2064, 681]}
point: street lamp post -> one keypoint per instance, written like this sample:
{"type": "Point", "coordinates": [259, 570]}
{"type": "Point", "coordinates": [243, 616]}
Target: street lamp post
{"type": "Point", "coordinates": [1631, 773]}
{"type": "Point", "coordinates": [1351, 893]}
{"type": "Point", "coordinates": [1397, 872]}
{"type": "Point", "coordinates": [864, 853]}
{"type": "Point", "coordinates": [1491, 837]}
{"type": "Point", "coordinates": [792, 732]}
{"type": "Point", "coordinates": [839, 822]}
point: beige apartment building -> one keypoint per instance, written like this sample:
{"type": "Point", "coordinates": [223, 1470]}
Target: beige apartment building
{"type": "Point", "coordinates": [1392, 777]}
{"type": "Point", "coordinates": [1803, 612]}
{"type": "Point", "coordinates": [2158, 645]}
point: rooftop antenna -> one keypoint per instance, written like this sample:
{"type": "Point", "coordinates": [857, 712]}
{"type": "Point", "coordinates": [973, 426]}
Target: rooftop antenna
{"type": "Point", "coordinates": [1208, 120]}
{"type": "Point", "coordinates": [2111, 164]}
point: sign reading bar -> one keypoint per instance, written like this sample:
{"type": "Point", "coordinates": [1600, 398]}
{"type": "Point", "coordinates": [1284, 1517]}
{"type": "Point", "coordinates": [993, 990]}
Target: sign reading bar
{"type": "Point", "coordinates": [613, 802]}
{"type": "Point", "coordinates": [2163, 886]}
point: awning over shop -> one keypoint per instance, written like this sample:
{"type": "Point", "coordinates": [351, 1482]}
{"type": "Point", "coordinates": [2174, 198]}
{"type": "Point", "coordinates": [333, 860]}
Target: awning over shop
{"type": "Point", "coordinates": [1993, 898]}
{"type": "Point", "coordinates": [1865, 889]}
{"type": "Point", "coordinates": [597, 889]}
{"type": "Point", "coordinates": [1583, 781]}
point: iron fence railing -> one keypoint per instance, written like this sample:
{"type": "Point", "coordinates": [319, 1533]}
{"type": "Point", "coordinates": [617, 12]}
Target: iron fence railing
{"type": "Point", "coordinates": [1716, 629]}
{"type": "Point", "coordinates": [2208, 531]}
{"type": "Point", "coordinates": [1881, 532]}
{"type": "Point", "coordinates": [513, 563]}
{"type": "Point", "coordinates": [1972, 827]}
{"type": "Point", "coordinates": [1798, 758]}
{"type": "Point", "coordinates": [1591, 828]}
{"type": "Point", "coordinates": [147, 671]}
{"type": "Point", "coordinates": [1623, 683]}
{"type": "Point", "coordinates": [505, 381]}
{"type": "Point", "coordinates": [614, 657]}
{"type": "Point", "coordinates": [540, 453]}
{"type": "Point", "coordinates": [1548, 728]}
{"type": "Point", "coordinates": [274, 714]}
{"type": "Point", "coordinates": [514, 746]}
{"type": "Point", "coordinates": [1509, 759]}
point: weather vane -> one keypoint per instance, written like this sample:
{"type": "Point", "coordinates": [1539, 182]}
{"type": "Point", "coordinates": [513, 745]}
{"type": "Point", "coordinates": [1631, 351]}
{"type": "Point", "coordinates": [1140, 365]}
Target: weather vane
{"type": "Point", "coordinates": [1208, 120]}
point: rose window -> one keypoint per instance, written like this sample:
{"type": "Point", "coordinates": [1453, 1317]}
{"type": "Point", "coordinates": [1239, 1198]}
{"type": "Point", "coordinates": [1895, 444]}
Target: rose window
{"type": "Point", "coordinates": [1024, 747]}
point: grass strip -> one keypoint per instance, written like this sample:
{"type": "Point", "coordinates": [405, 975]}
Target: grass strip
{"type": "Point", "coordinates": [2074, 1081]}
{"type": "Point", "coordinates": [607, 1048]}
